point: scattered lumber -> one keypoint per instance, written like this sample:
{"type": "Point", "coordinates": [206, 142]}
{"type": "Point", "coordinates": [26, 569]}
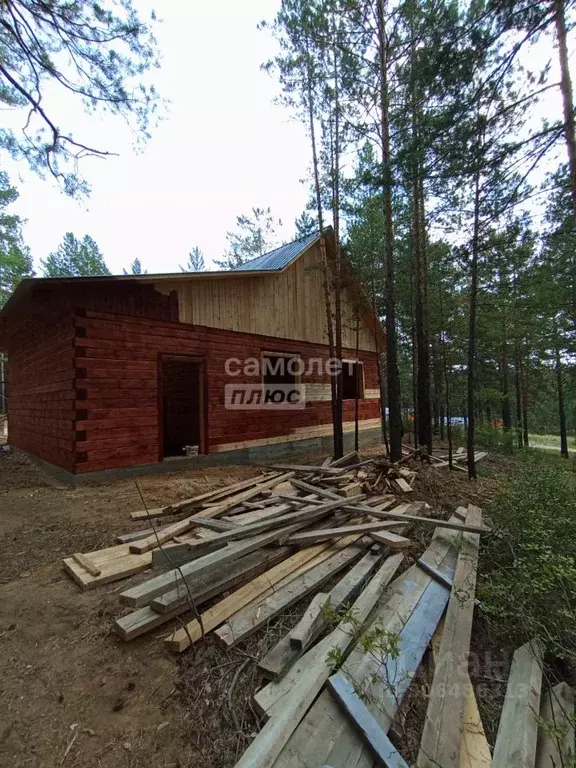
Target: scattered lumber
{"type": "Point", "coordinates": [262, 586]}
{"type": "Point", "coordinates": [311, 537]}
{"type": "Point", "coordinates": [144, 619]}
{"type": "Point", "coordinates": [393, 515]}
{"type": "Point", "coordinates": [352, 489]}
{"type": "Point", "coordinates": [555, 746]}
{"type": "Point", "coordinates": [517, 736]}
{"type": "Point", "coordinates": [279, 660]}
{"type": "Point", "coordinates": [411, 608]}
{"type": "Point", "coordinates": [390, 539]}
{"type": "Point", "coordinates": [306, 515]}
{"type": "Point", "coordinates": [194, 501]}
{"type": "Point", "coordinates": [269, 742]}
{"type": "Point", "coordinates": [87, 564]}
{"type": "Point", "coordinates": [365, 722]}
{"type": "Point", "coordinates": [442, 734]}
{"type": "Point", "coordinates": [310, 623]}
{"type": "Point", "coordinates": [331, 470]}
{"type": "Point", "coordinates": [246, 621]}
{"type": "Point", "coordinates": [474, 747]}
{"type": "Point", "coordinates": [159, 537]}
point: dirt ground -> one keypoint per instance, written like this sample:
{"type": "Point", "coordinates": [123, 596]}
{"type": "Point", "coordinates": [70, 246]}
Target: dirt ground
{"type": "Point", "coordinates": [71, 692]}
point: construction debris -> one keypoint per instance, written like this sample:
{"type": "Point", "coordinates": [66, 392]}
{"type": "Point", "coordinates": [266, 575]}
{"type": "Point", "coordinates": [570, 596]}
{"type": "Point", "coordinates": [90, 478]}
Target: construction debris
{"type": "Point", "coordinates": [257, 547]}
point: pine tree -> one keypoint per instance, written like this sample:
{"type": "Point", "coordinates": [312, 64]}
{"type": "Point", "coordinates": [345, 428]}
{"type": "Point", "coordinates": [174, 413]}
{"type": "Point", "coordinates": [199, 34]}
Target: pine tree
{"type": "Point", "coordinates": [96, 52]}
{"type": "Point", "coordinates": [135, 268]}
{"type": "Point", "coordinates": [195, 261]}
{"type": "Point", "coordinates": [75, 258]}
{"type": "Point", "coordinates": [15, 259]}
{"type": "Point", "coordinates": [305, 225]}
{"type": "Point", "coordinates": [256, 235]}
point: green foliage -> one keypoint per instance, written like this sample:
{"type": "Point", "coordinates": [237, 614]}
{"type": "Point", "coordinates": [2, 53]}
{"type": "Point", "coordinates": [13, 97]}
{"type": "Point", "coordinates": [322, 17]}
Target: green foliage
{"type": "Point", "coordinates": [96, 52]}
{"type": "Point", "coordinates": [135, 268]}
{"type": "Point", "coordinates": [528, 565]}
{"type": "Point", "coordinates": [255, 236]}
{"type": "Point", "coordinates": [75, 258]}
{"type": "Point", "coordinates": [15, 258]}
{"type": "Point", "coordinates": [305, 225]}
{"type": "Point", "coordinates": [195, 261]}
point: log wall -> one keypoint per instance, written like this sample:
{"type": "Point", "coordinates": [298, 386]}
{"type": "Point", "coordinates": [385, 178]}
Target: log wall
{"type": "Point", "coordinates": [117, 387]}
{"type": "Point", "coordinates": [41, 394]}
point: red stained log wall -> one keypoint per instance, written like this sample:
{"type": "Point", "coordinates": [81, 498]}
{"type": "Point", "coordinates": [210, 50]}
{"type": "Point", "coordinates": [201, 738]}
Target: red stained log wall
{"type": "Point", "coordinates": [117, 360]}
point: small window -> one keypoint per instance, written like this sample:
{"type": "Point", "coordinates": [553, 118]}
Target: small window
{"type": "Point", "coordinates": [280, 369]}
{"type": "Point", "coordinates": [352, 380]}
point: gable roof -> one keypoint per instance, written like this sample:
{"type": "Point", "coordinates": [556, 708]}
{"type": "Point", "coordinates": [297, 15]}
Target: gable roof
{"type": "Point", "coordinates": [274, 262]}
{"type": "Point", "coordinates": [280, 258]}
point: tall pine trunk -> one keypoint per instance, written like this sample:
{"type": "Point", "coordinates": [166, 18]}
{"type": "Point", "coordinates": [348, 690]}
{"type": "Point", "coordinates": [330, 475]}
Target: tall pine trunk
{"type": "Point", "coordinates": [472, 342]}
{"type": "Point", "coordinates": [518, 388]}
{"type": "Point", "coordinates": [323, 249]}
{"type": "Point", "coordinates": [561, 406]}
{"type": "Point", "coordinates": [338, 426]}
{"type": "Point", "coordinates": [569, 123]}
{"type": "Point", "coordinates": [392, 373]}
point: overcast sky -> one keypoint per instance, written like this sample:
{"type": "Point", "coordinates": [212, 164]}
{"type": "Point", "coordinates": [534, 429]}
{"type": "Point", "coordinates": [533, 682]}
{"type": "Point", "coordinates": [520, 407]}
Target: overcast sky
{"type": "Point", "coordinates": [223, 148]}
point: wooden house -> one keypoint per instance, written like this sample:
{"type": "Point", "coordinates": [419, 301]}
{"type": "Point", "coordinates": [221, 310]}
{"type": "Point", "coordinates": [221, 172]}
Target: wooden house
{"type": "Point", "coordinates": [108, 373]}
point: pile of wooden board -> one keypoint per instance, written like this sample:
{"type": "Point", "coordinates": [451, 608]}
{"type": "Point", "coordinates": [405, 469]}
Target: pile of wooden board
{"type": "Point", "coordinates": [273, 539]}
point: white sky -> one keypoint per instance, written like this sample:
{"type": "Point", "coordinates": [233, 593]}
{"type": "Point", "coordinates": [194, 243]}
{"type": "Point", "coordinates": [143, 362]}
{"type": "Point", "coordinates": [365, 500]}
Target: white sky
{"type": "Point", "coordinates": [223, 148]}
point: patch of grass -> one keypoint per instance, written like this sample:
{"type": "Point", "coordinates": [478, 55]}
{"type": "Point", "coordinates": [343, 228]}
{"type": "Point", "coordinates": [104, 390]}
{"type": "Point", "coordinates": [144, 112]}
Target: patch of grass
{"type": "Point", "coordinates": [528, 565]}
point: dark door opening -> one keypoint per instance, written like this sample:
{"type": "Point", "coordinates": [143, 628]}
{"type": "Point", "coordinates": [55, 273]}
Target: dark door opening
{"type": "Point", "coordinates": [182, 405]}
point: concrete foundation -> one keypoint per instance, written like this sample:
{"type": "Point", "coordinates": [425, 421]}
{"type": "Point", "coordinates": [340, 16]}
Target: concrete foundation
{"type": "Point", "coordinates": [276, 452]}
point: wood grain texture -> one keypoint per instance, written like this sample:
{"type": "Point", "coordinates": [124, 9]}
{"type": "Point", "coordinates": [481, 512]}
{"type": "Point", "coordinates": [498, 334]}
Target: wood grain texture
{"type": "Point", "coordinates": [555, 745]}
{"type": "Point", "coordinates": [376, 738]}
{"type": "Point", "coordinates": [246, 621]}
{"type": "Point", "coordinates": [442, 734]}
{"type": "Point", "coordinates": [516, 740]}
{"type": "Point", "coordinates": [270, 741]}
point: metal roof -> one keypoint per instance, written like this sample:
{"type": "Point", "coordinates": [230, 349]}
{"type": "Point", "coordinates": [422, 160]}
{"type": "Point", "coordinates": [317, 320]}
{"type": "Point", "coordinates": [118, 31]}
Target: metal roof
{"type": "Point", "coordinates": [280, 257]}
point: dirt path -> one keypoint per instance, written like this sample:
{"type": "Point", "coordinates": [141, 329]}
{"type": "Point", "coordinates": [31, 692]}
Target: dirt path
{"type": "Point", "coordinates": [71, 692]}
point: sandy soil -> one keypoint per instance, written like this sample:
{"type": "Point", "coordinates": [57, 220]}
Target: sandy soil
{"type": "Point", "coordinates": [71, 692]}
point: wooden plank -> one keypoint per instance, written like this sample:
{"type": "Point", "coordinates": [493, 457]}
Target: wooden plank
{"type": "Point", "coordinates": [556, 734]}
{"type": "Point", "coordinates": [311, 537]}
{"type": "Point", "coordinates": [303, 468]}
{"type": "Point", "coordinates": [144, 619]}
{"type": "Point", "coordinates": [144, 545]}
{"type": "Point", "coordinates": [410, 608]}
{"type": "Point", "coordinates": [219, 613]}
{"type": "Point", "coordinates": [390, 539]}
{"type": "Point", "coordinates": [270, 741]}
{"type": "Point", "coordinates": [249, 619]}
{"type": "Point", "coordinates": [308, 626]}
{"type": "Point", "coordinates": [280, 658]}
{"type": "Point", "coordinates": [403, 485]}
{"type": "Point", "coordinates": [363, 720]}
{"type": "Point", "coordinates": [353, 489]}
{"type": "Point", "coordinates": [143, 593]}
{"type": "Point", "coordinates": [392, 515]}
{"type": "Point", "coordinates": [343, 461]}
{"type": "Point", "coordinates": [113, 571]}
{"type": "Point", "coordinates": [474, 747]}
{"type": "Point", "coordinates": [185, 504]}
{"type": "Point", "coordinates": [442, 734]}
{"type": "Point", "coordinates": [310, 488]}
{"type": "Point", "coordinates": [306, 516]}
{"type": "Point", "coordinates": [87, 564]}
{"type": "Point", "coordinates": [516, 741]}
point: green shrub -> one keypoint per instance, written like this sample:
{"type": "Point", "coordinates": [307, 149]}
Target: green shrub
{"type": "Point", "coordinates": [528, 565]}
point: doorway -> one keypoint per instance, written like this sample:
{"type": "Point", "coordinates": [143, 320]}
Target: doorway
{"type": "Point", "coordinates": [182, 403]}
